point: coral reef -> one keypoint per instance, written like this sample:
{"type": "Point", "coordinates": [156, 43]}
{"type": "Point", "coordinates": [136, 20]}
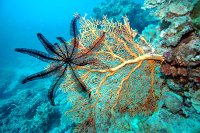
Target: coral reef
{"type": "Point", "coordinates": [17, 113]}
{"type": "Point", "coordinates": [152, 35]}
{"type": "Point", "coordinates": [175, 15]}
{"type": "Point", "coordinates": [180, 33]}
{"type": "Point", "coordinates": [124, 85]}
{"type": "Point", "coordinates": [128, 92]}
{"type": "Point", "coordinates": [182, 62]}
{"type": "Point", "coordinates": [181, 68]}
{"type": "Point", "coordinates": [115, 9]}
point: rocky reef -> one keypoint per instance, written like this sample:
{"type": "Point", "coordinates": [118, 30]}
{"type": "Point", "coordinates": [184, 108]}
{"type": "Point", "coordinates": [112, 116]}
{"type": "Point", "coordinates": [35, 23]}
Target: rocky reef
{"type": "Point", "coordinates": [182, 62]}
{"type": "Point", "coordinates": [179, 37]}
{"type": "Point", "coordinates": [177, 18]}
{"type": "Point", "coordinates": [179, 30]}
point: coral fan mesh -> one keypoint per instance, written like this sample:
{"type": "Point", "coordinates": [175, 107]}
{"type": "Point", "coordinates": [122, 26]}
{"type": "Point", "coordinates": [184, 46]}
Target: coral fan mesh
{"type": "Point", "coordinates": [121, 82]}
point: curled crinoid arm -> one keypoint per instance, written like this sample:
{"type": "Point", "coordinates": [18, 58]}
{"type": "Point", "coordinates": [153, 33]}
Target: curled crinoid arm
{"type": "Point", "coordinates": [77, 15]}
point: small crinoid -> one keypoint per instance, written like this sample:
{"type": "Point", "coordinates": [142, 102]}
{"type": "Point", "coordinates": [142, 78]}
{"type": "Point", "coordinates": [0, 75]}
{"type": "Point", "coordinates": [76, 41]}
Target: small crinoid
{"type": "Point", "coordinates": [61, 57]}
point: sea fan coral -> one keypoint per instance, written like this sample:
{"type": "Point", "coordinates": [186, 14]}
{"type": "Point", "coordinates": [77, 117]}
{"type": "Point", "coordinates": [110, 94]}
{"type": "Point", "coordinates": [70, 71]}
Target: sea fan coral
{"type": "Point", "coordinates": [123, 83]}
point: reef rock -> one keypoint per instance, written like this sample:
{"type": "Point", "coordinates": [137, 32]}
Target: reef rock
{"type": "Point", "coordinates": [172, 101]}
{"type": "Point", "coordinates": [195, 16]}
{"type": "Point", "coordinates": [196, 101]}
{"type": "Point", "coordinates": [180, 8]}
{"type": "Point", "coordinates": [182, 62]}
{"type": "Point", "coordinates": [172, 85]}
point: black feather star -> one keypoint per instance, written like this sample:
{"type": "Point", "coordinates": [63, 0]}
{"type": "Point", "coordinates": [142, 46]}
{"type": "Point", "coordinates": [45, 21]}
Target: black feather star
{"type": "Point", "coordinates": [61, 57]}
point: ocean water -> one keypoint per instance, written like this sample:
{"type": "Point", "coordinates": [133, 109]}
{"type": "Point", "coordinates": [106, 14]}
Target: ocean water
{"type": "Point", "coordinates": [21, 20]}
{"type": "Point", "coordinates": [25, 108]}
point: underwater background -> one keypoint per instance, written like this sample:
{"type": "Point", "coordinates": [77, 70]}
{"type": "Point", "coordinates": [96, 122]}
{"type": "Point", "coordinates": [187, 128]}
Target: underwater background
{"type": "Point", "coordinates": [161, 94]}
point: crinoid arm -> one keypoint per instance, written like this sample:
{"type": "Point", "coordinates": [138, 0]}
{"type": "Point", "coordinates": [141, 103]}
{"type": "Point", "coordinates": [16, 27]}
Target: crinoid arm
{"type": "Point", "coordinates": [43, 74]}
{"type": "Point", "coordinates": [82, 85]}
{"type": "Point", "coordinates": [47, 45]}
{"type": "Point", "coordinates": [73, 27]}
{"type": "Point", "coordinates": [56, 83]}
{"type": "Point", "coordinates": [85, 62]}
{"type": "Point", "coordinates": [63, 41]}
{"type": "Point", "coordinates": [95, 46]}
{"type": "Point", "coordinates": [92, 62]}
{"type": "Point", "coordinates": [37, 54]}
{"type": "Point", "coordinates": [61, 51]}
{"type": "Point", "coordinates": [74, 33]}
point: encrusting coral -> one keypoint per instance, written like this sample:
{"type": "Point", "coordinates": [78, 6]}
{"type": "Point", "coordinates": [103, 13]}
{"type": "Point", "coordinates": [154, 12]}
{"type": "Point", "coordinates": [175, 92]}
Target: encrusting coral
{"type": "Point", "coordinates": [124, 82]}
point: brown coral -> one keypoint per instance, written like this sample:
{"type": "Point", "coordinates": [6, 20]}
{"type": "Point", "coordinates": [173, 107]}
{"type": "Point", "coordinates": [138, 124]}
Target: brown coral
{"type": "Point", "coordinates": [180, 62]}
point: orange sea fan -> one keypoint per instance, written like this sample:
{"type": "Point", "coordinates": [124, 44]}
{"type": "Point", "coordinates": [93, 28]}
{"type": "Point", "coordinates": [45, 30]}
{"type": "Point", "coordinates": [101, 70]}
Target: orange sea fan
{"type": "Point", "coordinates": [124, 82]}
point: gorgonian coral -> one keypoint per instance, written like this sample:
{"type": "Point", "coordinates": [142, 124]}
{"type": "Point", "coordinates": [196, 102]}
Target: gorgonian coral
{"type": "Point", "coordinates": [123, 85]}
